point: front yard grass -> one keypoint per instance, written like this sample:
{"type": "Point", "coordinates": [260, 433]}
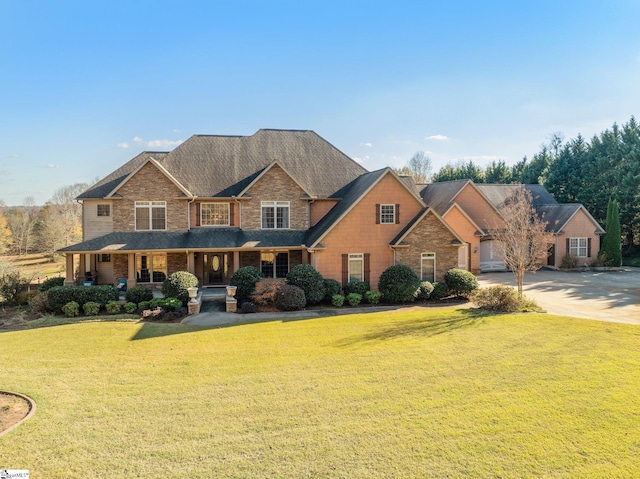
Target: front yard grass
{"type": "Point", "coordinates": [442, 393]}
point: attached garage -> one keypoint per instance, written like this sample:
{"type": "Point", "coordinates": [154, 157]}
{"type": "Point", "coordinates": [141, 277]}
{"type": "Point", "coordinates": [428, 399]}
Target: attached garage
{"type": "Point", "coordinates": [491, 256]}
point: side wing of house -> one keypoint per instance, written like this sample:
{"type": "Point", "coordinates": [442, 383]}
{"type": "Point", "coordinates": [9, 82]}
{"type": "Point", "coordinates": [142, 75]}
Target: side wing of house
{"type": "Point", "coordinates": [461, 223]}
{"type": "Point", "coordinates": [579, 237]}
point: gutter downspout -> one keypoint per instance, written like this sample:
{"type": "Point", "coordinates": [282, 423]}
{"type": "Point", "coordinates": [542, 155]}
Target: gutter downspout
{"type": "Point", "coordinates": [189, 212]}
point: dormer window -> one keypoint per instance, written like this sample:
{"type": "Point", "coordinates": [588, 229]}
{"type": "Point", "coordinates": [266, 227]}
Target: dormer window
{"type": "Point", "coordinates": [275, 214]}
{"type": "Point", "coordinates": [214, 214]}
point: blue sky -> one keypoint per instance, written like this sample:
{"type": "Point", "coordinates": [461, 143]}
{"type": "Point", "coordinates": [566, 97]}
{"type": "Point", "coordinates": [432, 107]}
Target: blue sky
{"type": "Point", "coordinates": [85, 86]}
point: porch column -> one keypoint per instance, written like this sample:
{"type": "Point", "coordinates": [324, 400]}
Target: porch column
{"type": "Point", "coordinates": [83, 265]}
{"type": "Point", "coordinates": [305, 256]}
{"type": "Point", "coordinates": [191, 263]}
{"type": "Point", "coordinates": [68, 276]}
{"type": "Point", "coordinates": [236, 260]}
{"type": "Point", "coordinates": [131, 270]}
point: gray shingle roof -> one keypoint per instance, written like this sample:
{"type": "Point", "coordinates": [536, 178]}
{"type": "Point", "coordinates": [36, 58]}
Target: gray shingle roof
{"type": "Point", "coordinates": [439, 196]}
{"type": "Point", "coordinates": [498, 194]}
{"type": "Point", "coordinates": [557, 215]}
{"type": "Point", "coordinates": [204, 238]}
{"type": "Point", "coordinates": [222, 166]}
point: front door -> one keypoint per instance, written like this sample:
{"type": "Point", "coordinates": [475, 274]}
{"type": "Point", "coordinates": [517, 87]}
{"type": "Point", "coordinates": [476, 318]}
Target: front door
{"type": "Point", "coordinates": [218, 268]}
{"type": "Point", "coordinates": [551, 255]}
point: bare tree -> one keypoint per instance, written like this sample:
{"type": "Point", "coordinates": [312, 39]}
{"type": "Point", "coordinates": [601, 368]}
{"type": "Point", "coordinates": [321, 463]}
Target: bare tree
{"type": "Point", "coordinates": [21, 221]}
{"type": "Point", "coordinates": [523, 236]}
{"type": "Point", "coordinates": [5, 235]}
{"type": "Point", "coordinates": [418, 167]}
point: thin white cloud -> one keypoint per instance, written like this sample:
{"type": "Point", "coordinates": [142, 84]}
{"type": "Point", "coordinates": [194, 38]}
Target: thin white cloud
{"type": "Point", "coordinates": [137, 139]}
{"type": "Point", "coordinates": [163, 143]}
{"type": "Point", "coordinates": [437, 137]}
{"type": "Point", "coordinates": [51, 165]}
{"type": "Point", "coordinates": [124, 145]}
{"type": "Point", "coordinates": [486, 157]}
{"type": "Point", "coordinates": [368, 145]}
{"type": "Point", "coordinates": [361, 160]}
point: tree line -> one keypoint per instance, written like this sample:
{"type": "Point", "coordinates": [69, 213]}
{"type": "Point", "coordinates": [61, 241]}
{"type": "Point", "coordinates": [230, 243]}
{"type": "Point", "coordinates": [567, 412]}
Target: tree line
{"type": "Point", "coordinates": [42, 229]}
{"type": "Point", "coordinates": [590, 172]}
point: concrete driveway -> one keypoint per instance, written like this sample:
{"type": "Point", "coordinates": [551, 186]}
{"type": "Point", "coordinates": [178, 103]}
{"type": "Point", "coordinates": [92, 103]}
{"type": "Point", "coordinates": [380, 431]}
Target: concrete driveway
{"type": "Point", "coordinates": [606, 296]}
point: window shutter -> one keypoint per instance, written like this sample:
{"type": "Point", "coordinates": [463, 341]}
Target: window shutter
{"type": "Point", "coordinates": [397, 214]}
{"type": "Point", "coordinates": [197, 214]}
{"type": "Point", "coordinates": [567, 246]}
{"type": "Point", "coordinates": [377, 213]}
{"type": "Point", "coordinates": [588, 247]}
{"type": "Point", "coordinates": [366, 268]}
{"type": "Point", "coordinates": [345, 269]}
{"type": "Point", "coordinates": [231, 216]}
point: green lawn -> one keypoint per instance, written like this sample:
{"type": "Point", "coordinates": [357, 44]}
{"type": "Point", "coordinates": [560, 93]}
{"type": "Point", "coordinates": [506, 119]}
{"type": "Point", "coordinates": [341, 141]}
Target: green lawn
{"type": "Point", "coordinates": [442, 393]}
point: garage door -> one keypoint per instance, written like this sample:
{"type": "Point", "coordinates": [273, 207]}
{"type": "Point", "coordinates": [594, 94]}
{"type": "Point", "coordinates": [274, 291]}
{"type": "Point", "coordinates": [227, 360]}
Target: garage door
{"type": "Point", "coordinates": [491, 256]}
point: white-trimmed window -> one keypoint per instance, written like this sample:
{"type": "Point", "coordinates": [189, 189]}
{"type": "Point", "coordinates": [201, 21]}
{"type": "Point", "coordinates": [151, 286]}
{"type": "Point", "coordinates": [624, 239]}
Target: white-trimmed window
{"type": "Point", "coordinates": [274, 265]}
{"type": "Point", "coordinates": [151, 215]}
{"type": "Point", "coordinates": [151, 267]}
{"type": "Point", "coordinates": [214, 214]}
{"type": "Point", "coordinates": [428, 267]}
{"type": "Point", "coordinates": [578, 247]}
{"type": "Point", "coordinates": [387, 214]}
{"type": "Point", "coordinates": [104, 210]}
{"type": "Point", "coordinates": [356, 267]}
{"type": "Point", "coordinates": [275, 214]}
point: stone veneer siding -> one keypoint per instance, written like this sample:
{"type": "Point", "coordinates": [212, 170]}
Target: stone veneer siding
{"type": "Point", "coordinates": [149, 184]}
{"type": "Point", "coordinates": [275, 185]}
{"type": "Point", "coordinates": [176, 262]}
{"type": "Point", "coordinates": [120, 265]}
{"type": "Point", "coordinates": [429, 236]}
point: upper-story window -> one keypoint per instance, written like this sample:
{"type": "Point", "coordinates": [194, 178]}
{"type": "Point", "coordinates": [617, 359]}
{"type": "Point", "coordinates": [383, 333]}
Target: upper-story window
{"type": "Point", "coordinates": [387, 214]}
{"type": "Point", "coordinates": [151, 215]}
{"type": "Point", "coordinates": [214, 214]}
{"type": "Point", "coordinates": [104, 210]}
{"type": "Point", "coordinates": [275, 214]}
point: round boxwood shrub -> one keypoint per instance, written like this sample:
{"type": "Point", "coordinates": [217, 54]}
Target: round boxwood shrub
{"type": "Point", "coordinates": [353, 299]}
{"type": "Point", "coordinates": [58, 296]}
{"type": "Point", "coordinates": [496, 298]}
{"type": "Point", "coordinates": [91, 308]}
{"type": "Point", "coordinates": [245, 279]}
{"type": "Point", "coordinates": [142, 305]}
{"type": "Point", "coordinates": [49, 283]}
{"type": "Point", "coordinates": [176, 284]}
{"type": "Point", "coordinates": [398, 284]}
{"type": "Point", "coordinates": [425, 290]}
{"type": "Point", "coordinates": [113, 307]}
{"type": "Point", "coordinates": [440, 291]}
{"type": "Point", "coordinates": [337, 300]}
{"type": "Point", "coordinates": [130, 307]}
{"type": "Point", "coordinates": [248, 307]}
{"type": "Point", "coordinates": [358, 287]}
{"type": "Point", "coordinates": [372, 297]}
{"type": "Point", "coordinates": [290, 298]}
{"type": "Point", "coordinates": [138, 294]}
{"type": "Point", "coordinates": [331, 287]}
{"type": "Point", "coordinates": [71, 309]}
{"type": "Point", "coordinates": [306, 277]}
{"type": "Point", "coordinates": [460, 282]}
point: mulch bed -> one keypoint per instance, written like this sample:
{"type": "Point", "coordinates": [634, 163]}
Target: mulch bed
{"type": "Point", "coordinates": [12, 410]}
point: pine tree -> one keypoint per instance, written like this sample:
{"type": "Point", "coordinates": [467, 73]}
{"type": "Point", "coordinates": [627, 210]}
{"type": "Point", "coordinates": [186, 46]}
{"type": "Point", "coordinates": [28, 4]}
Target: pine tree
{"type": "Point", "coordinates": [611, 246]}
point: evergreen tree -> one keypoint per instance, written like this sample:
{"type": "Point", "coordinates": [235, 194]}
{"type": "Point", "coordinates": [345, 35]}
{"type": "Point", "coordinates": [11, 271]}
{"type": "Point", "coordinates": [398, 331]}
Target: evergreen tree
{"type": "Point", "coordinates": [611, 246]}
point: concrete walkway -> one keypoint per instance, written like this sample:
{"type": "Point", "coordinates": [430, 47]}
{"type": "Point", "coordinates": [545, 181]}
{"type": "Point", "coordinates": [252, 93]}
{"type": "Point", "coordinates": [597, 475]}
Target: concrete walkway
{"type": "Point", "coordinates": [607, 295]}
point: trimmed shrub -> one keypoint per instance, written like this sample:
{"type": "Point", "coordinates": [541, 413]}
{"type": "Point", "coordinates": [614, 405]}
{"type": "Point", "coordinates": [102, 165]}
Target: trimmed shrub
{"type": "Point", "coordinates": [569, 262]}
{"type": "Point", "coordinates": [337, 300]}
{"type": "Point", "coordinates": [138, 294]}
{"type": "Point", "coordinates": [265, 291]}
{"type": "Point", "coordinates": [306, 277]}
{"type": "Point", "coordinates": [142, 305]}
{"type": "Point", "coordinates": [331, 287]}
{"type": "Point", "coordinates": [58, 296]}
{"type": "Point", "coordinates": [425, 290]}
{"type": "Point", "coordinates": [372, 297]}
{"type": "Point", "coordinates": [130, 307]}
{"type": "Point", "coordinates": [290, 298]}
{"type": "Point", "coordinates": [176, 284]}
{"type": "Point", "coordinates": [461, 282]}
{"type": "Point", "coordinates": [353, 299]}
{"type": "Point", "coordinates": [49, 283]}
{"type": "Point", "coordinates": [358, 287]}
{"type": "Point", "coordinates": [71, 309]}
{"type": "Point", "coordinates": [496, 298]}
{"type": "Point", "coordinates": [248, 307]}
{"type": "Point", "coordinates": [439, 291]}
{"type": "Point", "coordinates": [245, 279]}
{"type": "Point", "coordinates": [113, 307]}
{"type": "Point", "coordinates": [172, 304]}
{"type": "Point", "coordinates": [398, 284]}
{"type": "Point", "coordinates": [91, 308]}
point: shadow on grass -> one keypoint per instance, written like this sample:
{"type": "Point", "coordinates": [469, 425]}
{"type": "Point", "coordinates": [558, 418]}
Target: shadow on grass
{"type": "Point", "coordinates": [450, 321]}
{"type": "Point", "coordinates": [158, 330]}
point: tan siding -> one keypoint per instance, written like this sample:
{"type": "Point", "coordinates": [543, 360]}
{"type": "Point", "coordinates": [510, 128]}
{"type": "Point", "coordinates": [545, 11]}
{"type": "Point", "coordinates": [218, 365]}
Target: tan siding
{"type": "Point", "coordinates": [580, 226]}
{"type": "Point", "coordinates": [149, 184]}
{"type": "Point", "coordinates": [478, 209]}
{"type": "Point", "coordinates": [465, 229]}
{"type": "Point", "coordinates": [93, 225]}
{"type": "Point", "coordinates": [319, 209]}
{"type": "Point", "coordinates": [359, 233]}
{"type": "Point", "coordinates": [275, 185]}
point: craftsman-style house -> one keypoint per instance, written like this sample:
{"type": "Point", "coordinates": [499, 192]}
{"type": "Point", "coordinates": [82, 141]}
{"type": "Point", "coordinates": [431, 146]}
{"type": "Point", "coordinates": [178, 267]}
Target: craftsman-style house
{"type": "Point", "coordinates": [279, 198]}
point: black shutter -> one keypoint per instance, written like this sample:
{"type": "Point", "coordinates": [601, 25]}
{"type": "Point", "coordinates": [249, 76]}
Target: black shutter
{"type": "Point", "coordinates": [377, 213]}
{"type": "Point", "coordinates": [397, 214]}
{"type": "Point", "coordinates": [231, 215]}
{"type": "Point", "coordinates": [588, 247]}
{"type": "Point", "coordinates": [345, 269]}
{"type": "Point", "coordinates": [367, 269]}
{"type": "Point", "coordinates": [567, 246]}
{"type": "Point", "coordinates": [197, 214]}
